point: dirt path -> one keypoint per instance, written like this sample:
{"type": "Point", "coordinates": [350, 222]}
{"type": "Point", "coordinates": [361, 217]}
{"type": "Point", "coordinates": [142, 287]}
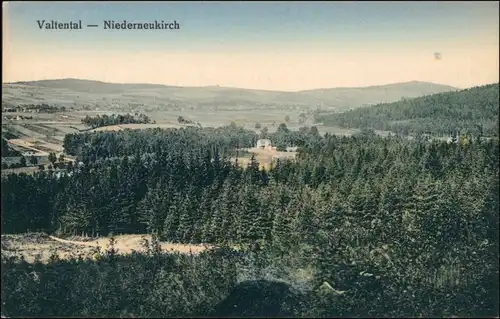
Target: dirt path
{"type": "Point", "coordinates": [129, 243]}
{"type": "Point", "coordinates": [83, 243]}
{"type": "Point", "coordinates": [34, 245]}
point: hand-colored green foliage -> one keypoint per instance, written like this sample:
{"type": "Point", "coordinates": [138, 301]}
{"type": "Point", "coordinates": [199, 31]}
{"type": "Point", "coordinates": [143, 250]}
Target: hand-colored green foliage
{"type": "Point", "coordinates": [473, 110]}
{"type": "Point", "coordinates": [106, 120]}
{"type": "Point", "coordinates": [358, 226]}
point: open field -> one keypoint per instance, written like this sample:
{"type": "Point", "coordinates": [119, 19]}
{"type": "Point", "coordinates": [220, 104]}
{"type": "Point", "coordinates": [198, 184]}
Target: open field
{"type": "Point", "coordinates": [110, 128]}
{"type": "Point", "coordinates": [38, 244]}
{"type": "Point", "coordinates": [42, 148]}
{"type": "Point", "coordinates": [121, 127]}
{"type": "Point", "coordinates": [45, 132]}
{"type": "Point", "coordinates": [27, 145]}
{"type": "Point", "coordinates": [263, 156]}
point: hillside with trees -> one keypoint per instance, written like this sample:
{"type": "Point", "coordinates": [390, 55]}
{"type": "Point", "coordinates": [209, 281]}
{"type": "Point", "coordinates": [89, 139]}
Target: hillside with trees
{"type": "Point", "coordinates": [473, 110]}
{"type": "Point", "coordinates": [358, 226]}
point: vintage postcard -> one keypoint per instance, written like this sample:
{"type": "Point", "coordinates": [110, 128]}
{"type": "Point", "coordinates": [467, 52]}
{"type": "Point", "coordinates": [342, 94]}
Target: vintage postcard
{"type": "Point", "coordinates": [250, 159]}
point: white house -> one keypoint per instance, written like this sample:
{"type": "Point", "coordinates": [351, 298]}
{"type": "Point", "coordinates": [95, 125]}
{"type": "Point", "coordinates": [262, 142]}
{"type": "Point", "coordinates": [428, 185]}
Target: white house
{"type": "Point", "coordinates": [263, 143]}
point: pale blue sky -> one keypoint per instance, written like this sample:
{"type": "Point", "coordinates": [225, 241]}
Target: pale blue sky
{"type": "Point", "coordinates": [334, 28]}
{"type": "Point", "coordinates": [255, 23]}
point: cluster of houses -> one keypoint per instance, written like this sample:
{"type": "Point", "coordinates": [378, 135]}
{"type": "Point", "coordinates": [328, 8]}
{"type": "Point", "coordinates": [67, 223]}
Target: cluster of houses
{"type": "Point", "coordinates": [32, 108]}
{"type": "Point", "coordinates": [42, 160]}
{"type": "Point", "coordinates": [265, 144]}
{"type": "Point", "coordinates": [17, 117]}
{"type": "Point", "coordinates": [20, 110]}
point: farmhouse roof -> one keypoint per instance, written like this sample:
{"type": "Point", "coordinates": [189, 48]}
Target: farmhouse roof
{"type": "Point", "coordinates": [11, 159]}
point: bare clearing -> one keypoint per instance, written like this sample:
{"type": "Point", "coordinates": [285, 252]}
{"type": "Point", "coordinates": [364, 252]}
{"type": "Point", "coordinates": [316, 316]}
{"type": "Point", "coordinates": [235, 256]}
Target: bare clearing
{"type": "Point", "coordinates": [264, 156]}
{"type": "Point", "coordinates": [121, 127]}
{"type": "Point", "coordinates": [31, 245]}
{"type": "Point", "coordinates": [110, 128]}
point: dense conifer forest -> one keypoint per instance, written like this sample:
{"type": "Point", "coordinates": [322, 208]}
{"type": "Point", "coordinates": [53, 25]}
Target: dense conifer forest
{"type": "Point", "coordinates": [356, 226]}
{"type": "Point", "coordinates": [473, 110]}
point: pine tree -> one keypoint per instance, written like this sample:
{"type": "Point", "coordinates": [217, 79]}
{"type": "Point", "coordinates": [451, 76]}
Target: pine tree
{"type": "Point", "coordinates": [283, 225]}
{"type": "Point", "coordinates": [186, 219]}
{"type": "Point", "coordinates": [228, 210]}
{"type": "Point", "coordinates": [151, 211]}
{"type": "Point", "coordinates": [306, 223]}
{"type": "Point", "coordinates": [252, 173]}
{"type": "Point", "coordinates": [249, 229]}
{"type": "Point", "coordinates": [206, 210]}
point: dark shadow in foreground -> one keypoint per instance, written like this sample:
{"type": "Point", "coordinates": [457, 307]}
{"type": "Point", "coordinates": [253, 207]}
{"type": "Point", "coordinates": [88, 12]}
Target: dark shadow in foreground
{"type": "Point", "coordinates": [261, 298]}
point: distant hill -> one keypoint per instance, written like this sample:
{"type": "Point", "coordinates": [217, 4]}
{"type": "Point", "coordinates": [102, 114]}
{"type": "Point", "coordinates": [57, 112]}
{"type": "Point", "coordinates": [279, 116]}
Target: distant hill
{"type": "Point", "coordinates": [377, 94]}
{"type": "Point", "coordinates": [78, 85]}
{"type": "Point", "coordinates": [78, 93]}
{"type": "Point", "coordinates": [469, 110]}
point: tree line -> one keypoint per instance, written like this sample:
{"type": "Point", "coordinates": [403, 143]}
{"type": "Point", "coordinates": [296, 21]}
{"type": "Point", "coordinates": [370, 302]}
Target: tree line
{"type": "Point", "coordinates": [105, 120]}
{"type": "Point", "coordinates": [89, 147]}
{"type": "Point", "coordinates": [55, 162]}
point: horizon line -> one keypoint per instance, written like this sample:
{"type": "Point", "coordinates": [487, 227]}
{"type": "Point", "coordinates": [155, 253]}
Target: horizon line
{"type": "Point", "coordinates": [241, 88]}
